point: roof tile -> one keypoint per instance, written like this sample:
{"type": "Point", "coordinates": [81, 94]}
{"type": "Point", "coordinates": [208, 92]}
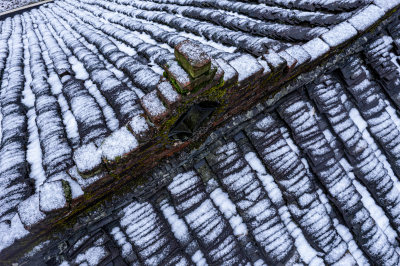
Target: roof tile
{"type": "Point", "coordinates": [339, 34]}
{"type": "Point", "coordinates": [367, 17]}
{"type": "Point", "coordinates": [247, 67]}
{"type": "Point", "coordinates": [154, 107]}
{"type": "Point", "coordinates": [52, 197]}
{"type": "Point", "coordinates": [316, 48]}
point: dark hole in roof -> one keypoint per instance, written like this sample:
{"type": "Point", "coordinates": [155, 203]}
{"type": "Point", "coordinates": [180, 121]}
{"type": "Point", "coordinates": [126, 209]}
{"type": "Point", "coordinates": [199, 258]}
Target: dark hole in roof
{"type": "Point", "coordinates": [189, 122]}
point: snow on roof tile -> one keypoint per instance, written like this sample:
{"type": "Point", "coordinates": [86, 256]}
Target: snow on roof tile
{"type": "Point", "coordinates": [44, 52]}
{"type": "Point", "coordinates": [316, 48]}
{"type": "Point", "coordinates": [366, 17]}
{"type": "Point", "coordinates": [154, 107]}
{"type": "Point", "coordinates": [387, 5]}
{"type": "Point", "coordinates": [52, 196]}
{"type": "Point", "coordinates": [299, 53]}
{"type": "Point", "coordinates": [84, 182]}
{"type": "Point", "coordinates": [180, 76]}
{"type": "Point", "coordinates": [87, 158]}
{"type": "Point", "coordinates": [29, 211]}
{"type": "Point", "coordinates": [72, 187]}
{"type": "Point", "coordinates": [246, 66]}
{"type": "Point", "coordinates": [230, 74]}
{"type": "Point", "coordinates": [275, 62]}
{"type": "Point", "coordinates": [168, 93]}
{"type": "Point", "coordinates": [118, 144]}
{"type": "Point", "coordinates": [291, 62]}
{"type": "Point", "coordinates": [139, 126]}
{"type": "Point", "coordinates": [339, 34]}
{"type": "Point", "coordinates": [11, 231]}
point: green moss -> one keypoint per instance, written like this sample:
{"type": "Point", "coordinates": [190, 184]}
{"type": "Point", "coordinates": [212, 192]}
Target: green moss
{"type": "Point", "coordinates": [67, 190]}
{"type": "Point", "coordinates": [175, 84]}
{"type": "Point", "coordinates": [193, 72]}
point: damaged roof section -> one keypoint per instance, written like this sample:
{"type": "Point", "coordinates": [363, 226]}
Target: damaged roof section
{"type": "Point", "coordinates": [90, 89]}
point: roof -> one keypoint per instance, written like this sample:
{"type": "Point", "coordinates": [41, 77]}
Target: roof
{"type": "Point", "coordinates": [88, 96]}
{"type": "Point", "coordinates": [313, 181]}
{"type": "Point", "coordinates": [8, 5]}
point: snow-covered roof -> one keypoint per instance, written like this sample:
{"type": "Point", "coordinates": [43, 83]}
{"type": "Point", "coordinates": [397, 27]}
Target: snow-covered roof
{"type": "Point", "coordinates": [6, 5]}
{"type": "Point", "coordinates": [88, 86]}
{"type": "Point", "coordinates": [314, 181]}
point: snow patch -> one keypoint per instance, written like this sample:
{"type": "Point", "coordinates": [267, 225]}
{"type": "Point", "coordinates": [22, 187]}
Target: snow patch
{"type": "Point", "coordinates": [118, 144]}
{"type": "Point", "coordinates": [87, 157]}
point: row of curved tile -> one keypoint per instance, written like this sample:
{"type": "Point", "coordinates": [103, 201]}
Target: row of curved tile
{"type": "Point", "coordinates": [66, 111]}
{"type": "Point", "coordinates": [314, 181]}
{"type": "Point", "coordinates": [73, 71]}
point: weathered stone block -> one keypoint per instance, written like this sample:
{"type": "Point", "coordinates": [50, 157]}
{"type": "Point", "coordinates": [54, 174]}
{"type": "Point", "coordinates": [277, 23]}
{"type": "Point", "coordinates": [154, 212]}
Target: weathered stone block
{"type": "Point", "coordinates": [53, 196]}
{"type": "Point", "coordinates": [168, 94]}
{"type": "Point", "coordinates": [154, 107]}
{"type": "Point", "coordinates": [192, 58]}
{"type": "Point", "coordinates": [204, 79]}
{"type": "Point", "coordinates": [29, 212]}
{"type": "Point", "coordinates": [139, 127]}
{"type": "Point", "coordinates": [179, 76]}
{"type": "Point", "coordinates": [88, 159]}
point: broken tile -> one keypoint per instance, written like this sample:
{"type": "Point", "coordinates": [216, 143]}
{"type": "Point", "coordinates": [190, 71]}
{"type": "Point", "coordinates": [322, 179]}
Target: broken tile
{"type": "Point", "coordinates": [230, 74]}
{"type": "Point", "coordinates": [291, 62]}
{"type": "Point", "coordinates": [298, 53]}
{"type": "Point", "coordinates": [275, 62]}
